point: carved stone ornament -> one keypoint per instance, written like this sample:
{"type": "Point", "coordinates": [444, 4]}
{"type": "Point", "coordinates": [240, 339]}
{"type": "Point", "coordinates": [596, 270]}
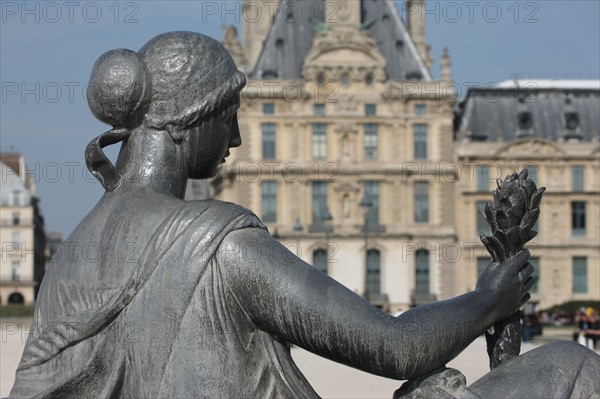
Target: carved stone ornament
{"type": "Point", "coordinates": [531, 148]}
{"type": "Point", "coordinates": [344, 51]}
{"type": "Point", "coordinates": [346, 103]}
{"type": "Point", "coordinates": [346, 129]}
{"type": "Point", "coordinates": [232, 44]}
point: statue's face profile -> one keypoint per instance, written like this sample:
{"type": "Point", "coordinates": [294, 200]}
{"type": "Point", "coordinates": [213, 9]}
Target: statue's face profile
{"type": "Point", "coordinates": [207, 143]}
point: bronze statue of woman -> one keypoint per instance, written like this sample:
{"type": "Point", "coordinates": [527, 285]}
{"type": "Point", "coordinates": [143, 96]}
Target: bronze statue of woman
{"type": "Point", "coordinates": [196, 299]}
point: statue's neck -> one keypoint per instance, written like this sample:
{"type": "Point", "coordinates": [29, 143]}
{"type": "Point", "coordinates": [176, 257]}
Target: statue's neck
{"type": "Point", "coordinates": [150, 161]}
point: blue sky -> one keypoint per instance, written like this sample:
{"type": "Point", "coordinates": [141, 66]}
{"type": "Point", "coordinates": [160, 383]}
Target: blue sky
{"type": "Point", "coordinates": [47, 50]}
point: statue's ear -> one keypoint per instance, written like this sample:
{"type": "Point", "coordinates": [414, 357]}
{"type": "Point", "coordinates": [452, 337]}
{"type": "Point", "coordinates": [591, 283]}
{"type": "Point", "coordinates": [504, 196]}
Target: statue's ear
{"type": "Point", "coordinates": [99, 164]}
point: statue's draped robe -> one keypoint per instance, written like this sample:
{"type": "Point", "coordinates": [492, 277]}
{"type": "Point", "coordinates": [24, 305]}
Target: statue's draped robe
{"type": "Point", "coordinates": [139, 304]}
{"type": "Point", "coordinates": [151, 317]}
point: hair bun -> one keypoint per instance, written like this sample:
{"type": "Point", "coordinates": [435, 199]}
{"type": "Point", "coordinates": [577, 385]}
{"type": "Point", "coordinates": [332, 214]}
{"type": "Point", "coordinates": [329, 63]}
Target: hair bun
{"type": "Point", "coordinates": [119, 91]}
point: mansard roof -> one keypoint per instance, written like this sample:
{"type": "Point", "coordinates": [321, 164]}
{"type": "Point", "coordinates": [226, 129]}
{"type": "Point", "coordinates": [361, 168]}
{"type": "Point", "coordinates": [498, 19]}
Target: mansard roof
{"type": "Point", "coordinates": [527, 109]}
{"type": "Point", "coordinates": [291, 36]}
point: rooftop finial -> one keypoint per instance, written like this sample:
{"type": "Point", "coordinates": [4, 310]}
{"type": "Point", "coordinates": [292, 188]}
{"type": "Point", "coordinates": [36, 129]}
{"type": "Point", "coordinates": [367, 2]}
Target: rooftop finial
{"type": "Point", "coordinates": [446, 67]}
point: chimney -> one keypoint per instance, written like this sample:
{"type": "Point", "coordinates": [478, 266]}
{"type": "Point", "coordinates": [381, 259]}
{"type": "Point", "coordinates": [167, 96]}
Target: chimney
{"type": "Point", "coordinates": [446, 67]}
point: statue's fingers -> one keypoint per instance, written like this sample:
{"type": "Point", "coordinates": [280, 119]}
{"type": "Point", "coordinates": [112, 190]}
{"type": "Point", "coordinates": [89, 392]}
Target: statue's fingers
{"type": "Point", "coordinates": [522, 257]}
{"type": "Point", "coordinates": [526, 298]}
{"type": "Point", "coordinates": [528, 284]}
{"type": "Point", "coordinates": [526, 271]}
{"type": "Point", "coordinates": [519, 261]}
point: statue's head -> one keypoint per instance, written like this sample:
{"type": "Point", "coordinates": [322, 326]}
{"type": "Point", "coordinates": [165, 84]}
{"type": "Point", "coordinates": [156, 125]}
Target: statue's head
{"type": "Point", "coordinates": [183, 83]}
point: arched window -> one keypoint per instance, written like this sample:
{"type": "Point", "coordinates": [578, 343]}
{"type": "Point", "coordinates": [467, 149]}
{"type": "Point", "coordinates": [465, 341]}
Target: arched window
{"type": "Point", "coordinates": [320, 260]}
{"type": "Point", "coordinates": [422, 272]}
{"type": "Point", "coordinates": [16, 298]}
{"type": "Point", "coordinates": [373, 272]}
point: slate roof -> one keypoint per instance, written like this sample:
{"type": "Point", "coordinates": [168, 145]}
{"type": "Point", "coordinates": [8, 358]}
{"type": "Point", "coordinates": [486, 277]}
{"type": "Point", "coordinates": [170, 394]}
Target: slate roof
{"type": "Point", "coordinates": [554, 113]}
{"type": "Point", "coordinates": [398, 48]}
{"type": "Point", "coordinates": [290, 39]}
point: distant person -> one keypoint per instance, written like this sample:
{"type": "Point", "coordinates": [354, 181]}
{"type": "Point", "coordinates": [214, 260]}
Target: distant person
{"type": "Point", "coordinates": [528, 329]}
{"type": "Point", "coordinates": [582, 323]}
{"type": "Point", "coordinates": [592, 333]}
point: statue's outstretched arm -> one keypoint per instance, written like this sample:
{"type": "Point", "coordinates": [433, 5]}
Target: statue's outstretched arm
{"type": "Point", "coordinates": [290, 299]}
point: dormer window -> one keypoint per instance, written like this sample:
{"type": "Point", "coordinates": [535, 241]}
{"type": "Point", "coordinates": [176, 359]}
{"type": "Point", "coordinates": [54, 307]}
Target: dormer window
{"type": "Point", "coordinates": [267, 75]}
{"type": "Point", "coordinates": [344, 79]}
{"type": "Point", "coordinates": [291, 14]}
{"type": "Point", "coordinates": [320, 79]}
{"type": "Point", "coordinates": [571, 120]}
{"type": "Point", "coordinates": [414, 75]}
{"type": "Point", "coordinates": [369, 79]}
{"type": "Point", "coordinates": [525, 120]}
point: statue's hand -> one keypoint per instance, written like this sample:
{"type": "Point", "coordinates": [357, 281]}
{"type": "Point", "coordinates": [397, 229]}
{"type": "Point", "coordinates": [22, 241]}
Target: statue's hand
{"type": "Point", "coordinates": [508, 283]}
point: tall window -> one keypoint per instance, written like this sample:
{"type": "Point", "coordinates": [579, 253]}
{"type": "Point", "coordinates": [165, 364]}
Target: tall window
{"type": "Point", "coordinates": [420, 109]}
{"type": "Point", "coordinates": [269, 109]}
{"type": "Point", "coordinates": [525, 120]}
{"type": "Point", "coordinates": [421, 202]}
{"type": "Point", "coordinates": [580, 277]}
{"type": "Point", "coordinates": [422, 272]}
{"type": "Point", "coordinates": [319, 141]}
{"type": "Point", "coordinates": [371, 141]}
{"type": "Point", "coordinates": [319, 110]}
{"type": "Point", "coordinates": [532, 172]}
{"type": "Point", "coordinates": [571, 120]}
{"type": "Point", "coordinates": [482, 178]}
{"type": "Point", "coordinates": [372, 191]}
{"type": "Point", "coordinates": [320, 260]}
{"type": "Point", "coordinates": [373, 272]}
{"type": "Point", "coordinates": [578, 218]}
{"type": "Point", "coordinates": [16, 218]}
{"type": "Point", "coordinates": [17, 197]}
{"type": "Point", "coordinates": [482, 224]}
{"type": "Point", "coordinates": [535, 262]}
{"type": "Point", "coordinates": [269, 201]}
{"type": "Point", "coordinates": [578, 178]}
{"type": "Point", "coordinates": [16, 270]}
{"type": "Point", "coordinates": [319, 201]}
{"type": "Point", "coordinates": [370, 109]}
{"type": "Point", "coordinates": [420, 140]}
{"type": "Point", "coordinates": [268, 140]}
{"type": "Point", "coordinates": [16, 238]}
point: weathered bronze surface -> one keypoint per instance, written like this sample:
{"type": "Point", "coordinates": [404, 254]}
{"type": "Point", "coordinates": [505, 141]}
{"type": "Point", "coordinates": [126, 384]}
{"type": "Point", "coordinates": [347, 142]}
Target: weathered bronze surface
{"type": "Point", "coordinates": [196, 299]}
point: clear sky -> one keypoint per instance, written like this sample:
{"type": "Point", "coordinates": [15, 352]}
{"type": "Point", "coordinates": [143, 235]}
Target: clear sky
{"type": "Point", "coordinates": [47, 50]}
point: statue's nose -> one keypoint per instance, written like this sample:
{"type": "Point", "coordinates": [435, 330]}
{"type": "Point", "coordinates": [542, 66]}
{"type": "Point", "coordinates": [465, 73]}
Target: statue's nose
{"type": "Point", "coordinates": [235, 139]}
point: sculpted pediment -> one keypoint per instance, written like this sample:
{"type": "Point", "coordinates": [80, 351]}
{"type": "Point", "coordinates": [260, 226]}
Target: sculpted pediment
{"type": "Point", "coordinates": [344, 51]}
{"type": "Point", "coordinates": [345, 56]}
{"type": "Point", "coordinates": [530, 148]}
